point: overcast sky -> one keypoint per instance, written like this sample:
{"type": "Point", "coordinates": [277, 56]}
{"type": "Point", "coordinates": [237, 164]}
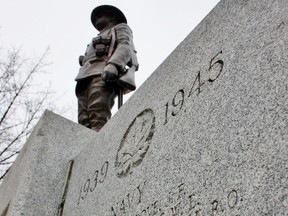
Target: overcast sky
{"type": "Point", "coordinates": [158, 27]}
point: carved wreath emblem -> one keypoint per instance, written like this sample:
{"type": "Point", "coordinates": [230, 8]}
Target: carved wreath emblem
{"type": "Point", "coordinates": [135, 143]}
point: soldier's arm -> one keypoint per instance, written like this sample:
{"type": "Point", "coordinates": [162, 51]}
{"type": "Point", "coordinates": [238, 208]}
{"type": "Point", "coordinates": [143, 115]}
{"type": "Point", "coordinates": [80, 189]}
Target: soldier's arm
{"type": "Point", "coordinates": [124, 45]}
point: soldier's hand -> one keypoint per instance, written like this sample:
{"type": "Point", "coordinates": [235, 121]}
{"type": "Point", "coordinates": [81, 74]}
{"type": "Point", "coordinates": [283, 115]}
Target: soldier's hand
{"type": "Point", "coordinates": [110, 73]}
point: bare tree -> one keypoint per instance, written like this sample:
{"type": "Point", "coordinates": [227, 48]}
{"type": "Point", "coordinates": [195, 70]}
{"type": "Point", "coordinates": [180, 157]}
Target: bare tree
{"type": "Point", "coordinates": [22, 102]}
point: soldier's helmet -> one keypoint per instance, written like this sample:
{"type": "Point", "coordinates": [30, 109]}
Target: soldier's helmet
{"type": "Point", "coordinates": [108, 10]}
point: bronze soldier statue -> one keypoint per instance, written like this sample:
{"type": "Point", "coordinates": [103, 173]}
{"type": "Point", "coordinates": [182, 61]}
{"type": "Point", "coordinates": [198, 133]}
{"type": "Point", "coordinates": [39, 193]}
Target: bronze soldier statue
{"type": "Point", "coordinates": [107, 68]}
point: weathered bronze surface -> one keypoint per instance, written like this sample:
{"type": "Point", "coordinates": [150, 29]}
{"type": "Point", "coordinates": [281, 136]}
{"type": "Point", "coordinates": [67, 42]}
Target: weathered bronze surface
{"type": "Point", "coordinates": [107, 67]}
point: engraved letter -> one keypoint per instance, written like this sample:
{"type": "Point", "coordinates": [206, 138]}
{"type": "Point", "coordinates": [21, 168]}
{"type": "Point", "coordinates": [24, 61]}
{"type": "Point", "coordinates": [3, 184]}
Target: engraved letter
{"type": "Point", "coordinates": [140, 191]}
{"type": "Point", "coordinates": [104, 170]}
{"type": "Point", "coordinates": [215, 63]}
{"type": "Point", "coordinates": [177, 104]}
{"type": "Point", "coordinates": [86, 188]}
{"type": "Point", "coordinates": [198, 90]}
{"type": "Point", "coordinates": [232, 199]}
{"type": "Point", "coordinates": [95, 179]}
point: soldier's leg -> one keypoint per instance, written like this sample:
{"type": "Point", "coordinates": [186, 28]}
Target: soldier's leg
{"type": "Point", "coordinates": [101, 100]}
{"type": "Point", "coordinates": [82, 96]}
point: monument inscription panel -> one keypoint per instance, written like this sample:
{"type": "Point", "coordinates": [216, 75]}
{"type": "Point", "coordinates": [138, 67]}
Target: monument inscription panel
{"type": "Point", "coordinates": [179, 200]}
